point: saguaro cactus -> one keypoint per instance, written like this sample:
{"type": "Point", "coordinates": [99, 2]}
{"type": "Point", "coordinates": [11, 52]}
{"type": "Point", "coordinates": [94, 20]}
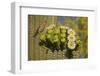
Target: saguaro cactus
{"type": "Point", "coordinates": [61, 38]}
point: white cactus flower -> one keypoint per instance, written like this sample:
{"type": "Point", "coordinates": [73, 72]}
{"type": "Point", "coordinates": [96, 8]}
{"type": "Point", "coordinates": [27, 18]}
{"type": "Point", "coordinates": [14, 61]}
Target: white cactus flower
{"type": "Point", "coordinates": [71, 45]}
{"type": "Point", "coordinates": [71, 32]}
{"type": "Point", "coordinates": [71, 38]}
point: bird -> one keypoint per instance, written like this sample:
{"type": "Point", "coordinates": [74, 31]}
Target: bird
{"type": "Point", "coordinates": [40, 28]}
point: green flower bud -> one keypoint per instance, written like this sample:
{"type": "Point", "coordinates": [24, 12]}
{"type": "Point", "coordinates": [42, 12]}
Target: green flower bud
{"type": "Point", "coordinates": [56, 36]}
{"type": "Point", "coordinates": [63, 30]}
{"type": "Point", "coordinates": [42, 37]}
{"type": "Point", "coordinates": [63, 35]}
{"type": "Point", "coordinates": [63, 40]}
{"type": "Point", "coordinates": [55, 40]}
{"type": "Point", "coordinates": [48, 36]}
{"type": "Point", "coordinates": [49, 31]}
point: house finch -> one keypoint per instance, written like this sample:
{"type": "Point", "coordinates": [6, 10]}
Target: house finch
{"type": "Point", "coordinates": [40, 28]}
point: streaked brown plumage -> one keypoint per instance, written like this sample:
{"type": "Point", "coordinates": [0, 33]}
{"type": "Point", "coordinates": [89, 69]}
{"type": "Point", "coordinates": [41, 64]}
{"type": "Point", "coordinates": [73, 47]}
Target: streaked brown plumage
{"type": "Point", "coordinates": [40, 28]}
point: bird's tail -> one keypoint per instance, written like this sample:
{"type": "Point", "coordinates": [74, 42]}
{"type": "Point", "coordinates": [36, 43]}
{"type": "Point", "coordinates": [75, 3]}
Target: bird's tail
{"type": "Point", "coordinates": [36, 33]}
